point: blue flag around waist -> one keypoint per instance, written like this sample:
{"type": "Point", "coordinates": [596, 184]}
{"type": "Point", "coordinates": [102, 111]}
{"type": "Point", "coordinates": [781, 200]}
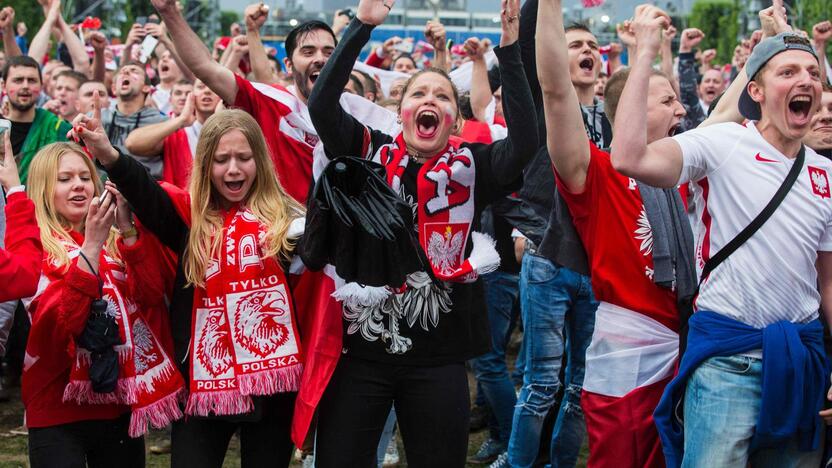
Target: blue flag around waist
{"type": "Point", "coordinates": [794, 376]}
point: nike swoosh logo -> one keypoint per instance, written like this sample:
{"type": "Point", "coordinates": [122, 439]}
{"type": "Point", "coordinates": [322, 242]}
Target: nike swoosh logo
{"type": "Point", "coordinates": [762, 159]}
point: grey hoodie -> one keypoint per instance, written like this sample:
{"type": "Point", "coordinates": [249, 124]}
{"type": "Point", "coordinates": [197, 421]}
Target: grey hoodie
{"type": "Point", "coordinates": [118, 126]}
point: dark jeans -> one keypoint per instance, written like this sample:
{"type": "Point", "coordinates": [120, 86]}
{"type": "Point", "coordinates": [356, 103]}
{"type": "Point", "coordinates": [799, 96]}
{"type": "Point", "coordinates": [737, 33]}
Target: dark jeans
{"type": "Point", "coordinates": [203, 442]}
{"type": "Point", "coordinates": [432, 407]}
{"type": "Point", "coordinates": [95, 443]}
{"type": "Point", "coordinates": [502, 296]}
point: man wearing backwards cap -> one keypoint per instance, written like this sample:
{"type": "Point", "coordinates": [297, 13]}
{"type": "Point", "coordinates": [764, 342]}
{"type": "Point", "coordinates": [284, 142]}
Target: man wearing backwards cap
{"type": "Point", "coordinates": [753, 376]}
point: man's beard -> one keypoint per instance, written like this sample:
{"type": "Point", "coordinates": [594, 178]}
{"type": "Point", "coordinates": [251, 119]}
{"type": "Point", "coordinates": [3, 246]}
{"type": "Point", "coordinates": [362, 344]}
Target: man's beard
{"type": "Point", "coordinates": [22, 107]}
{"type": "Point", "coordinates": [301, 83]}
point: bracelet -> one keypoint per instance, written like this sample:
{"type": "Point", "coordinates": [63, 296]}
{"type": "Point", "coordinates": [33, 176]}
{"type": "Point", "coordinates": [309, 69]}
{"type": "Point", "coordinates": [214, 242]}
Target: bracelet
{"type": "Point", "coordinates": [128, 233]}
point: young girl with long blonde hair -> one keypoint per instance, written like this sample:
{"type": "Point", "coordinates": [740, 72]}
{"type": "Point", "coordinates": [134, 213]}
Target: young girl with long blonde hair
{"type": "Point", "coordinates": [232, 313]}
{"type": "Point", "coordinates": [74, 415]}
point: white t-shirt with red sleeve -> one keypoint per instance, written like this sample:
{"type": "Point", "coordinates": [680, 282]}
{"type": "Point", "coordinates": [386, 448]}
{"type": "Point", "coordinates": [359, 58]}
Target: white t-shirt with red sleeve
{"type": "Point", "coordinates": [288, 130]}
{"type": "Point", "coordinates": [611, 221]}
{"type": "Point", "coordinates": [733, 172]}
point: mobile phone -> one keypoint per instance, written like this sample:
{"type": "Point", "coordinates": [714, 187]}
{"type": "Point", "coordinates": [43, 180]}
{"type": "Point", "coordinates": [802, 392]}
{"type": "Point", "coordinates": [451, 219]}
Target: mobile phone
{"type": "Point", "coordinates": [347, 12]}
{"type": "Point", "coordinates": [141, 20]}
{"type": "Point", "coordinates": [153, 20]}
{"type": "Point", "coordinates": [103, 197]}
{"type": "Point", "coordinates": [148, 44]}
{"type": "Point", "coordinates": [5, 126]}
{"type": "Point", "coordinates": [404, 47]}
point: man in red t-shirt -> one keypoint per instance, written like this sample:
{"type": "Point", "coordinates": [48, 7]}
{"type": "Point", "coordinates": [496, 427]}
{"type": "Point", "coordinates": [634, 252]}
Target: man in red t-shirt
{"type": "Point", "coordinates": [280, 111]}
{"type": "Point", "coordinates": [634, 348]}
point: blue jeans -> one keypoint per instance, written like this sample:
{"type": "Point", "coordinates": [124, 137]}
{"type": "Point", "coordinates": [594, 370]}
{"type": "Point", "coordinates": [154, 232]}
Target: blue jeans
{"type": "Point", "coordinates": [722, 404]}
{"type": "Point", "coordinates": [501, 298]}
{"type": "Point", "coordinates": [558, 310]}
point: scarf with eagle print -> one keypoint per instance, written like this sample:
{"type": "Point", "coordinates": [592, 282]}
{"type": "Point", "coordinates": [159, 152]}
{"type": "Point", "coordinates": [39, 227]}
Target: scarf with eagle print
{"type": "Point", "coordinates": [148, 380]}
{"type": "Point", "coordinates": [445, 210]}
{"type": "Point", "coordinates": [245, 340]}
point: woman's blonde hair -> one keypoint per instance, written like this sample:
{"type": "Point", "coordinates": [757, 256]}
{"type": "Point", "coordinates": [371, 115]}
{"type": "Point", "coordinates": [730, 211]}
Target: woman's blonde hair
{"type": "Point", "coordinates": [266, 199]}
{"type": "Point", "coordinates": [54, 228]}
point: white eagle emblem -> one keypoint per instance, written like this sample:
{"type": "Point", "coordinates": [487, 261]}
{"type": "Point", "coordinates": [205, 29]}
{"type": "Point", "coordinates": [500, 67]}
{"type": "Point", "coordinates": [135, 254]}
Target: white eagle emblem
{"type": "Point", "coordinates": [444, 251]}
{"type": "Point", "coordinates": [820, 183]}
{"type": "Point", "coordinates": [644, 233]}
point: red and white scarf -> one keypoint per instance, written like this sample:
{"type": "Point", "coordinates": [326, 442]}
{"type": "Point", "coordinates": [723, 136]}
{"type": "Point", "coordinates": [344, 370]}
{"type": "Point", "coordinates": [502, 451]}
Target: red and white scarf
{"type": "Point", "coordinates": [148, 380]}
{"type": "Point", "coordinates": [445, 198]}
{"type": "Point", "coordinates": [244, 335]}
{"type": "Point", "coordinates": [124, 311]}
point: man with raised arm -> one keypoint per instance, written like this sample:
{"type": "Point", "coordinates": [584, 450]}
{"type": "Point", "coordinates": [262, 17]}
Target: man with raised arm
{"type": "Point", "coordinates": [281, 112]}
{"type": "Point", "coordinates": [753, 376]}
{"type": "Point", "coordinates": [557, 306]}
{"type": "Point", "coordinates": [640, 250]}
{"type": "Point", "coordinates": [176, 138]}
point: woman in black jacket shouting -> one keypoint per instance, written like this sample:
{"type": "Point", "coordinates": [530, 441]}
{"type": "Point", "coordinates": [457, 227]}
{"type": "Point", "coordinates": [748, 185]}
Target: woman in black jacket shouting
{"type": "Point", "coordinates": [409, 348]}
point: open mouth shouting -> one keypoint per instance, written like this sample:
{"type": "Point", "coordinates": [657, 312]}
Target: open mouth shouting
{"type": "Point", "coordinates": [234, 187]}
{"type": "Point", "coordinates": [674, 129]}
{"type": "Point", "coordinates": [800, 109]}
{"type": "Point", "coordinates": [587, 65]}
{"type": "Point", "coordinates": [427, 124]}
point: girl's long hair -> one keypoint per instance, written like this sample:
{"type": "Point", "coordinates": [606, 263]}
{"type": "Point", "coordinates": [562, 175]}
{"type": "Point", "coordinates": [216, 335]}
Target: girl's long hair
{"type": "Point", "coordinates": [266, 199]}
{"type": "Point", "coordinates": [54, 228]}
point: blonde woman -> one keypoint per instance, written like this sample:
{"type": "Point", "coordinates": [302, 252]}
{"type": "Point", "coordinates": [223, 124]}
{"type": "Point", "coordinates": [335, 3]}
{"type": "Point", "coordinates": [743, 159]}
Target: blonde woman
{"type": "Point", "coordinates": [231, 312]}
{"type": "Point", "coordinates": [70, 423]}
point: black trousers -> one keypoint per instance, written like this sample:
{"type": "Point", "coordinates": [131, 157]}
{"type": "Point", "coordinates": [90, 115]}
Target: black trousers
{"type": "Point", "coordinates": [432, 408]}
{"type": "Point", "coordinates": [96, 443]}
{"type": "Point", "coordinates": [266, 442]}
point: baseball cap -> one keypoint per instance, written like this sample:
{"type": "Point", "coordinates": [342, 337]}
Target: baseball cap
{"type": "Point", "coordinates": [763, 52]}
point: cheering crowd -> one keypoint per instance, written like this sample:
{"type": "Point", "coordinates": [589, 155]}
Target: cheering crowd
{"type": "Point", "coordinates": [315, 254]}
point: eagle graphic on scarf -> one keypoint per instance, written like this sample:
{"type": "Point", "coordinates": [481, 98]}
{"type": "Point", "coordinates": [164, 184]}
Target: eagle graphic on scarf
{"type": "Point", "coordinates": [256, 326]}
{"type": "Point", "coordinates": [213, 350]}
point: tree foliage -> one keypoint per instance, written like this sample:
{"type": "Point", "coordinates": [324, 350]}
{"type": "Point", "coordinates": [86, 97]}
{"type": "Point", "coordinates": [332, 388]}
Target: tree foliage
{"type": "Point", "coordinates": [28, 11]}
{"type": "Point", "coordinates": [718, 20]}
{"type": "Point", "coordinates": [226, 18]}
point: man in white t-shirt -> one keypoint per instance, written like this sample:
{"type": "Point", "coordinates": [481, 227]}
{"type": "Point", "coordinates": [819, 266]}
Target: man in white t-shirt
{"type": "Point", "coordinates": [754, 371]}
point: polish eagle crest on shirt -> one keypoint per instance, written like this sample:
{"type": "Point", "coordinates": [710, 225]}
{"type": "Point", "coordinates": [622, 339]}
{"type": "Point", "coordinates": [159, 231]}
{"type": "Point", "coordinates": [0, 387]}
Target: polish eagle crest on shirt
{"type": "Point", "coordinates": [820, 181]}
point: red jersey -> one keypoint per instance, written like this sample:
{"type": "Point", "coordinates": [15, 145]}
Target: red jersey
{"type": "Point", "coordinates": [610, 219]}
{"type": "Point", "coordinates": [475, 132]}
{"type": "Point", "coordinates": [288, 130]}
{"type": "Point", "coordinates": [178, 150]}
